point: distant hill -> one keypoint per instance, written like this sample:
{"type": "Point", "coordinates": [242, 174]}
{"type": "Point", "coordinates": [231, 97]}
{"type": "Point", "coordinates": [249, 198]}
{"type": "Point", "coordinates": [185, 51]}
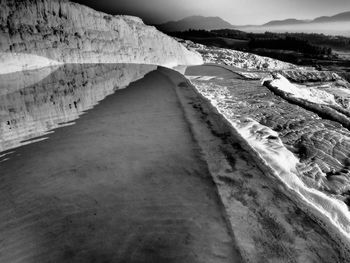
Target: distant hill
{"type": "Point", "coordinates": [338, 24]}
{"type": "Point", "coordinates": [342, 17]}
{"type": "Point", "coordinates": [290, 21]}
{"type": "Point", "coordinates": [213, 23]}
{"type": "Point", "coordinates": [336, 18]}
{"type": "Point", "coordinates": [195, 22]}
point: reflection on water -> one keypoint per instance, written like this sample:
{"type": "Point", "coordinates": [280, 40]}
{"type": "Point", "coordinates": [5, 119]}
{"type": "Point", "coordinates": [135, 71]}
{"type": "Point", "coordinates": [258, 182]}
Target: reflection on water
{"type": "Point", "coordinates": [34, 102]}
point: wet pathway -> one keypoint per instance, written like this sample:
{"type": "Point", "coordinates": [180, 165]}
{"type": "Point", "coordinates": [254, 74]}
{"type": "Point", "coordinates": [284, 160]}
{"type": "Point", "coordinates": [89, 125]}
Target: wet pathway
{"type": "Point", "coordinates": [126, 183]}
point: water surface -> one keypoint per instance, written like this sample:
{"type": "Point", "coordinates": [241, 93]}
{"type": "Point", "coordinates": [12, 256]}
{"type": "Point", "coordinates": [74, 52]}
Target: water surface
{"type": "Point", "coordinates": [125, 183]}
{"type": "Point", "coordinates": [32, 103]}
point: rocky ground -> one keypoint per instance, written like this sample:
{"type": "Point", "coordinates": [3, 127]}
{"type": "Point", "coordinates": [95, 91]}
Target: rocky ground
{"type": "Point", "coordinates": [319, 145]}
{"type": "Point", "coordinates": [318, 128]}
{"type": "Point", "coordinates": [268, 225]}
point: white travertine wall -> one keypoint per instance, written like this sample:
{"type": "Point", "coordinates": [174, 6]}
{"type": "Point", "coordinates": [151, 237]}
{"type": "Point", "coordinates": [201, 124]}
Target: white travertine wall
{"type": "Point", "coordinates": [67, 32]}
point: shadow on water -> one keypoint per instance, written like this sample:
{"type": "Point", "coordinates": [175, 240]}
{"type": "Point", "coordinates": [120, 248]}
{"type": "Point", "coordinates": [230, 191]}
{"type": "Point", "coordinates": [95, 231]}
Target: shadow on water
{"type": "Point", "coordinates": [32, 103]}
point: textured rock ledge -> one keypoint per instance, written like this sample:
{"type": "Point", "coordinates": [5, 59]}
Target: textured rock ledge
{"type": "Point", "coordinates": [270, 153]}
{"type": "Point", "coordinates": [268, 226]}
{"type": "Point", "coordinates": [244, 60]}
{"type": "Point", "coordinates": [71, 33]}
{"type": "Point", "coordinates": [327, 102]}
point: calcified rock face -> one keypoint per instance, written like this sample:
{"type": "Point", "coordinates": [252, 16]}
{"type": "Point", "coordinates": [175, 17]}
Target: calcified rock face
{"type": "Point", "coordinates": [328, 100]}
{"type": "Point", "coordinates": [312, 120]}
{"type": "Point", "coordinates": [236, 58]}
{"type": "Point", "coordinates": [306, 152]}
{"type": "Point", "coordinates": [71, 33]}
{"type": "Point", "coordinates": [37, 101]}
{"type": "Point", "coordinates": [301, 76]}
{"type": "Point", "coordinates": [317, 130]}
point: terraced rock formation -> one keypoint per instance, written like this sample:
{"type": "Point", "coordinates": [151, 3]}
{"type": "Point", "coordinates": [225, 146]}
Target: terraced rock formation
{"type": "Point", "coordinates": [320, 146]}
{"type": "Point", "coordinates": [67, 32]}
{"type": "Point", "coordinates": [236, 58]}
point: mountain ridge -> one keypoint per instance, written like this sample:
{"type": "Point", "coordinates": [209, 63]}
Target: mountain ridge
{"type": "Point", "coordinates": [211, 23]}
{"type": "Point", "coordinates": [288, 21]}
{"type": "Point", "coordinates": [196, 22]}
{"type": "Point", "coordinates": [344, 16]}
{"type": "Point", "coordinates": [340, 17]}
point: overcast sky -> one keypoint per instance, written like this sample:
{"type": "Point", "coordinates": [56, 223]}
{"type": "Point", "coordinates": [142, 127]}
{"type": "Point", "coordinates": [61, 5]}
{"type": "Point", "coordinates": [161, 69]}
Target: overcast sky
{"type": "Point", "coordinates": [237, 12]}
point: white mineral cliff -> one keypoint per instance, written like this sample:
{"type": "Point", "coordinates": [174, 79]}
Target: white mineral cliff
{"type": "Point", "coordinates": [32, 107]}
{"type": "Point", "coordinates": [59, 31]}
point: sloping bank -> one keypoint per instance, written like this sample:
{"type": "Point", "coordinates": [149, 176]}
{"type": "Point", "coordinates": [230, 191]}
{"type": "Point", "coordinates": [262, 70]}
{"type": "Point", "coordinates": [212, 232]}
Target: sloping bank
{"type": "Point", "coordinates": [270, 155]}
{"type": "Point", "coordinates": [35, 34]}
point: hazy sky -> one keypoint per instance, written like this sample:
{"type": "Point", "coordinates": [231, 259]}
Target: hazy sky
{"type": "Point", "coordinates": [237, 12]}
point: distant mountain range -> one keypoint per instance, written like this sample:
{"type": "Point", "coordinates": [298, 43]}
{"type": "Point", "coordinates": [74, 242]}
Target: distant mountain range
{"type": "Point", "coordinates": [336, 18]}
{"type": "Point", "coordinates": [342, 17]}
{"type": "Point", "coordinates": [290, 21]}
{"type": "Point", "coordinates": [211, 23]}
{"type": "Point", "coordinates": [195, 22]}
